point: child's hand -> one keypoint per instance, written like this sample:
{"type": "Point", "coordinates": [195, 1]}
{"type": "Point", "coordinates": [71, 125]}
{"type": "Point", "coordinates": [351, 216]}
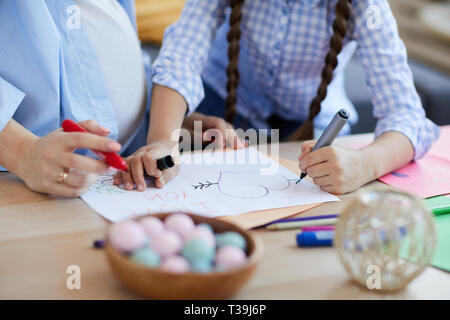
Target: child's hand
{"type": "Point", "coordinates": [334, 169]}
{"type": "Point", "coordinates": [144, 161]}
{"type": "Point", "coordinates": [223, 132]}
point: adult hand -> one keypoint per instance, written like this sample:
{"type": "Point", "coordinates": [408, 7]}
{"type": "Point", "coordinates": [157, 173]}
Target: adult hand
{"type": "Point", "coordinates": [50, 166]}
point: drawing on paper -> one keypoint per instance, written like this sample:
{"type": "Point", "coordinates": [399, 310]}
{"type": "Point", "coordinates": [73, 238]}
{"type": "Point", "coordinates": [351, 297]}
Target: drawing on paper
{"type": "Point", "coordinates": [149, 181]}
{"type": "Point", "coordinates": [246, 185]}
{"type": "Point", "coordinates": [223, 190]}
{"type": "Point", "coordinates": [400, 175]}
{"type": "Point", "coordinates": [105, 185]}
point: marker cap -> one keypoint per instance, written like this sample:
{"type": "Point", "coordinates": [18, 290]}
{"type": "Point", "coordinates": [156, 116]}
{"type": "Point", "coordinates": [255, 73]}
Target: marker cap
{"type": "Point", "coordinates": [344, 113]}
{"type": "Point", "coordinates": [315, 239]}
{"type": "Point", "coordinates": [166, 162]}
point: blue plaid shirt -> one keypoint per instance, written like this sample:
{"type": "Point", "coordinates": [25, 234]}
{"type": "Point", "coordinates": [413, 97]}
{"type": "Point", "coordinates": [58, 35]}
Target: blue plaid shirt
{"type": "Point", "coordinates": [282, 53]}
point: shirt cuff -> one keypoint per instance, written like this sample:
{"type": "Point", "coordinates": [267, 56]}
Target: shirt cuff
{"type": "Point", "coordinates": [10, 99]}
{"type": "Point", "coordinates": [422, 134]}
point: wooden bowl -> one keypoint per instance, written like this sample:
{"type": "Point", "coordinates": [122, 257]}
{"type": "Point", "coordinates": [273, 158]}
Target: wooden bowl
{"type": "Point", "coordinates": [160, 284]}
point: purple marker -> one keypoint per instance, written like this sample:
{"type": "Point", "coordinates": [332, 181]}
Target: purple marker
{"type": "Point", "coordinates": [99, 244]}
{"type": "Point", "coordinates": [317, 228]}
{"type": "Point", "coordinates": [326, 216]}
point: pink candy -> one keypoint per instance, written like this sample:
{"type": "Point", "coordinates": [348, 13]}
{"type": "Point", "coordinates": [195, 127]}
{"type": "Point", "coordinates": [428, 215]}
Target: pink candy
{"type": "Point", "coordinates": [203, 234]}
{"type": "Point", "coordinates": [167, 243]}
{"type": "Point", "coordinates": [127, 236]}
{"type": "Point", "coordinates": [229, 257]}
{"type": "Point", "coordinates": [180, 223]}
{"type": "Point", "coordinates": [171, 238]}
{"type": "Point", "coordinates": [152, 226]}
{"type": "Point", "coordinates": [175, 264]}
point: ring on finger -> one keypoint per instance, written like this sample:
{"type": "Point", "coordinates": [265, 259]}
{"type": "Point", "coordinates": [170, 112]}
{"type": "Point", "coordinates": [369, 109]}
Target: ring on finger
{"type": "Point", "coordinates": [63, 176]}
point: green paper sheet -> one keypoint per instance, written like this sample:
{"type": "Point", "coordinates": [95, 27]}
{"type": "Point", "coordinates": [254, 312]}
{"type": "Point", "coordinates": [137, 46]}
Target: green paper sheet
{"type": "Point", "coordinates": [439, 205]}
{"type": "Point", "coordinates": [441, 257]}
{"type": "Point", "coordinates": [441, 208]}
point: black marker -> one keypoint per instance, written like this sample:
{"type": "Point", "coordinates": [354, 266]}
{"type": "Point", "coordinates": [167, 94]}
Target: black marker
{"type": "Point", "coordinates": [164, 163]}
{"type": "Point", "coordinates": [330, 133]}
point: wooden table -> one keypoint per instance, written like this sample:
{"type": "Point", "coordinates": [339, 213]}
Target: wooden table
{"type": "Point", "coordinates": [41, 236]}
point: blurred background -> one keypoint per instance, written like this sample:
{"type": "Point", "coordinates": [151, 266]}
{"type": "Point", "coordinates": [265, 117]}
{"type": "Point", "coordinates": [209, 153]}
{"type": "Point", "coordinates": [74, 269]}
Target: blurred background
{"type": "Point", "coordinates": [424, 26]}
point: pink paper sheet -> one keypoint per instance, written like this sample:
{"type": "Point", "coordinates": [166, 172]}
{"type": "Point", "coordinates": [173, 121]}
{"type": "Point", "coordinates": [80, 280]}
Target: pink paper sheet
{"type": "Point", "coordinates": [428, 176]}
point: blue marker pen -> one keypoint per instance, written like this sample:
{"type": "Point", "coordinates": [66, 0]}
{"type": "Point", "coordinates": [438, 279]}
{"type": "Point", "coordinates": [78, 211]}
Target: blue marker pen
{"type": "Point", "coordinates": [315, 239]}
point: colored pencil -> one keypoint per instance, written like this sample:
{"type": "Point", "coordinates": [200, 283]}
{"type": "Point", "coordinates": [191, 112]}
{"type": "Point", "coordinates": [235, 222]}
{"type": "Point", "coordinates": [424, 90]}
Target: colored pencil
{"type": "Point", "coordinates": [326, 216]}
{"type": "Point", "coordinates": [318, 228]}
{"type": "Point", "coordinates": [301, 224]}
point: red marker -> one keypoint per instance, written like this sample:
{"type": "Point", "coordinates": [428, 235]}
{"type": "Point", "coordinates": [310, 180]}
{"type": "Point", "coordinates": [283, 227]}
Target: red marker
{"type": "Point", "coordinates": [111, 158]}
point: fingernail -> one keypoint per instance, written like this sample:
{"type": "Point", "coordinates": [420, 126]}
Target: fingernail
{"type": "Point", "coordinates": [158, 174]}
{"type": "Point", "coordinates": [105, 130]}
{"type": "Point", "coordinates": [113, 145]}
{"type": "Point", "coordinates": [128, 186]}
{"type": "Point", "coordinates": [140, 187]}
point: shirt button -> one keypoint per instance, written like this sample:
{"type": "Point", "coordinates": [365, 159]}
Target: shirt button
{"type": "Point", "coordinates": [277, 46]}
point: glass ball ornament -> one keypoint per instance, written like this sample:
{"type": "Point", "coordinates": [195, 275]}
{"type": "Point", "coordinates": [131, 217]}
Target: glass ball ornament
{"type": "Point", "coordinates": [385, 238]}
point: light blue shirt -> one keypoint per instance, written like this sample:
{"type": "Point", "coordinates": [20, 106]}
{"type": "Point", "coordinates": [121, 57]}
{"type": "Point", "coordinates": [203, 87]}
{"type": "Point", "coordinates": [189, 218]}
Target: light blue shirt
{"type": "Point", "coordinates": [49, 70]}
{"type": "Point", "coordinates": [283, 46]}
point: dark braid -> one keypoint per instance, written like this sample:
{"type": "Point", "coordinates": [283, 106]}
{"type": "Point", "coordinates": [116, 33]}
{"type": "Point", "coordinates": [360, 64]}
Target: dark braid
{"type": "Point", "coordinates": [343, 11]}
{"type": "Point", "coordinates": [233, 37]}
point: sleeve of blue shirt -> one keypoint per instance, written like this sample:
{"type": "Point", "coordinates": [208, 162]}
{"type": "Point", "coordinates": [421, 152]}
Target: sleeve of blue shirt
{"type": "Point", "coordinates": [397, 105]}
{"type": "Point", "coordinates": [186, 47]}
{"type": "Point", "coordinates": [10, 99]}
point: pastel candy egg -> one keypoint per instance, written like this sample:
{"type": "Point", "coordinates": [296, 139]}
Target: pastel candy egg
{"type": "Point", "coordinates": [206, 226]}
{"type": "Point", "coordinates": [180, 223]}
{"type": "Point", "coordinates": [203, 234]}
{"type": "Point", "coordinates": [229, 257]}
{"type": "Point", "coordinates": [152, 226]}
{"type": "Point", "coordinates": [231, 239]}
{"type": "Point", "coordinates": [175, 264]}
{"type": "Point", "coordinates": [146, 257]}
{"type": "Point", "coordinates": [201, 266]}
{"type": "Point", "coordinates": [167, 243]}
{"type": "Point", "coordinates": [127, 236]}
{"type": "Point", "coordinates": [198, 249]}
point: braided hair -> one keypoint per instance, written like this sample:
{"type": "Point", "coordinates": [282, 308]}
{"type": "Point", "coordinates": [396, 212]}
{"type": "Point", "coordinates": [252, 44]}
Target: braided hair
{"type": "Point", "coordinates": [342, 12]}
{"type": "Point", "coordinates": [306, 130]}
{"type": "Point", "coordinates": [233, 37]}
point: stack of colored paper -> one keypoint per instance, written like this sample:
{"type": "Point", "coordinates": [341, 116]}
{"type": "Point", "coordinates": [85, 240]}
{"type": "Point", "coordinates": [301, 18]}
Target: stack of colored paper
{"type": "Point", "coordinates": [428, 176]}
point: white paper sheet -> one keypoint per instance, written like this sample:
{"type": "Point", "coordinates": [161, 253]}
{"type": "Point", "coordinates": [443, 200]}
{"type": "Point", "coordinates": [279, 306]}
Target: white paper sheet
{"type": "Point", "coordinates": [215, 184]}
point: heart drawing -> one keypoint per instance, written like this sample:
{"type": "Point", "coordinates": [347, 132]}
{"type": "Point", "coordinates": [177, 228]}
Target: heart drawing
{"type": "Point", "coordinates": [247, 185]}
